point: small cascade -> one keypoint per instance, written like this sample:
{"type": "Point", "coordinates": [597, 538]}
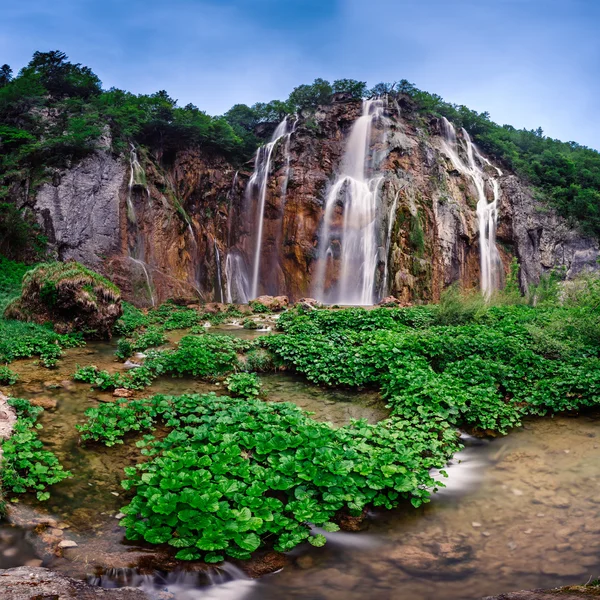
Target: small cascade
{"type": "Point", "coordinates": [257, 188]}
{"type": "Point", "coordinates": [356, 190]}
{"type": "Point", "coordinates": [391, 218]}
{"type": "Point", "coordinates": [219, 287]}
{"type": "Point", "coordinates": [237, 284]}
{"type": "Point", "coordinates": [136, 246]}
{"type": "Point", "coordinates": [487, 212]}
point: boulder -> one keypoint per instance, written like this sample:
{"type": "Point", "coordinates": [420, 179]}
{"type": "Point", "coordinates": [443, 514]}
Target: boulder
{"type": "Point", "coordinates": [390, 301]}
{"type": "Point", "coordinates": [272, 303]}
{"type": "Point", "coordinates": [308, 303]}
{"type": "Point", "coordinates": [71, 296]}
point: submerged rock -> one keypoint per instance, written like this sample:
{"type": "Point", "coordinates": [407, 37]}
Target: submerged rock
{"type": "Point", "coordinates": [71, 296]}
{"type": "Point", "coordinates": [27, 583]}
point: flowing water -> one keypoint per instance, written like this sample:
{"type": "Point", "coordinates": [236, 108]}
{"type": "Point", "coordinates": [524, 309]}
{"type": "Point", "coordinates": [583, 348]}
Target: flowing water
{"type": "Point", "coordinates": [487, 212]}
{"type": "Point", "coordinates": [257, 189]}
{"type": "Point", "coordinates": [355, 193]}
{"type": "Point", "coordinates": [522, 511]}
{"type": "Point", "coordinates": [237, 284]}
{"type": "Point", "coordinates": [219, 286]}
{"type": "Point", "coordinates": [136, 246]}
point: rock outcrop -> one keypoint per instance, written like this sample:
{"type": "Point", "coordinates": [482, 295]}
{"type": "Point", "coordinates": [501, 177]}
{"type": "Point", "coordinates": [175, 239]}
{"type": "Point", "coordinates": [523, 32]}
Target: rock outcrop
{"type": "Point", "coordinates": [188, 228]}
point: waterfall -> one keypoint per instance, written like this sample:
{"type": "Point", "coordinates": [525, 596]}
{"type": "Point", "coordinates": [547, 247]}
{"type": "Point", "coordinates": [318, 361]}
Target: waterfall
{"type": "Point", "coordinates": [388, 242]}
{"type": "Point", "coordinates": [137, 176]}
{"type": "Point", "coordinates": [258, 185]}
{"type": "Point", "coordinates": [218, 298]}
{"type": "Point", "coordinates": [487, 212]}
{"type": "Point", "coordinates": [356, 190]}
{"type": "Point", "coordinates": [236, 278]}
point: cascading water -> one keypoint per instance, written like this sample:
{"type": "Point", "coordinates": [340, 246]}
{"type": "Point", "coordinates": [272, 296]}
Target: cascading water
{"type": "Point", "coordinates": [487, 212]}
{"type": "Point", "coordinates": [356, 189]}
{"type": "Point", "coordinates": [257, 187]}
{"type": "Point", "coordinates": [237, 286]}
{"type": "Point", "coordinates": [137, 177]}
{"type": "Point", "coordinates": [219, 290]}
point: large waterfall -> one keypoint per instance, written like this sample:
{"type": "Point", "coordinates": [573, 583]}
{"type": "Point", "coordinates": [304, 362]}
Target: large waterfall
{"type": "Point", "coordinates": [353, 198]}
{"type": "Point", "coordinates": [257, 188]}
{"type": "Point", "coordinates": [487, 212]}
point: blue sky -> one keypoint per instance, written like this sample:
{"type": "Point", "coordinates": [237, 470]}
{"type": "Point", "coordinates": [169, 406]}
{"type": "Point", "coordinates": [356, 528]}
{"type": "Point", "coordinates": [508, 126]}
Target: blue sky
{"type": "Point", "coordinates": [529, 63]}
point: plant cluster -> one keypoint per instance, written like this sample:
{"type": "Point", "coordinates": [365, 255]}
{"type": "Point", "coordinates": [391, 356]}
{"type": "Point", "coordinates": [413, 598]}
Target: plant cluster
{"type": "Point", "coordinates": [26, 465]}
{"type": "Point", "coordinates": [206, 356]}
{"type": "Point", "coordinates": [243, 385]}
{"type": "Point", "coordinates": [482, 367]}
{"type": "Point", "coordinates": [234, 475]}
{"type": "Point", "coordinates": [7, 376]}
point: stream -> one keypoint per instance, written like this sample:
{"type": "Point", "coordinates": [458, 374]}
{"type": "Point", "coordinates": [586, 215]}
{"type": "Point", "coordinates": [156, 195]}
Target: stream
{"type": "Point", "coordinates": [517, 512]}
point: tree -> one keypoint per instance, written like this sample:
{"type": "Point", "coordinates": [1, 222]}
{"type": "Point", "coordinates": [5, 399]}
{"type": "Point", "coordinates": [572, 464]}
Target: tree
{"type": "Point", "coordinates": [310, 96]}
{"type": "Point", "coordinates": [5, 75]}
{"type": "Point", "coordinates": [356, 89]}
{"type": "Point", "coordinates": [62, 78]}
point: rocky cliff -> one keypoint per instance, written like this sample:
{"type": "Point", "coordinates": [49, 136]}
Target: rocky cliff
{"type": "Point", "coordinates": [185, 228]}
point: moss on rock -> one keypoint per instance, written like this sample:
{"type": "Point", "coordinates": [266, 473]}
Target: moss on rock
{"type": "Point", "coordinates": [71, 296]}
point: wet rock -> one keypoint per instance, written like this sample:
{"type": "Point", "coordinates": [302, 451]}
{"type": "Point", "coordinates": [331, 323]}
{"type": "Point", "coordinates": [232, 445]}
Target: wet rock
{"type": "Point", "coordinates": [263, 564]}
{"type": "Point", "coordinates": [274, 304]}
{"type": "Point", "coordinates": [45, 403]}
{"type": "Point", "coordinates": [391, 301]}
{"type": "Point", "coordinates": [308, 303]}
{"type": "Point", "coordinates": [28, 583]}
{"type": "Point", "coordinates": [123, 393]}
{"type": "Point", "coordinates": [349, 523]}
{"type": "Point", "coordinates": [571, 593]}
{"type": "Point", "coordinates": [67, 544]}
{"type": "Point", "coordinates": [445, 561]}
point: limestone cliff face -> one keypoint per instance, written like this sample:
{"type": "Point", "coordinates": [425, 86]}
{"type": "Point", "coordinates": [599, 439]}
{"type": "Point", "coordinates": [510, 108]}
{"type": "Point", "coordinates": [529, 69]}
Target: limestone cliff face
{"type": "Point", "coordinates": [167, 230]}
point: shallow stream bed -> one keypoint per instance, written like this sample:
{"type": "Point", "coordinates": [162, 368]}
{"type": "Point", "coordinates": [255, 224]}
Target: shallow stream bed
{"type": "Point", "coordinates": [518, 512]}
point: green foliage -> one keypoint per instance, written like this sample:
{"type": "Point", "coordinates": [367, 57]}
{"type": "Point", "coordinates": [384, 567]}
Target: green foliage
{"type": "Point", "coordinates": [11, 276]}
{"type": "Point", "coordinates": [24, 340]}
{"type": "Point", "coordinates": [26, 466]}
{"type": "Point", "coordinates": [19, 234]}
{"type": "Point", "coordinates": [206, 356]}
{"type": "Point", "coordinates": [234, 475]}
{"type": "Point", "coordinates": [259, 307]}
{"type": "Point", "coordinates": [7, 376]}
{"type": "Point", "coordinates": [311, 96]}
{"type": "Point", "coordinates": [131, 319]}
{"type": "Point", "coordinates": [244, 385]}
{"type": "Point", "coordinates": [456, 307]}
{"type": "Point", "coordinates": [486, 367]}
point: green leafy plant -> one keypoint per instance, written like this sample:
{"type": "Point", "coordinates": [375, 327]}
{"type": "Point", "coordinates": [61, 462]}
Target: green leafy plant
{"type": "Point", "coordinates": [243, 385]}
{"type": "Point", "coordinates": [26, 465]}
{"type": "Point", "coordinates": [7, 377]}
{"type": "Point", "coordinates": [234, 475]}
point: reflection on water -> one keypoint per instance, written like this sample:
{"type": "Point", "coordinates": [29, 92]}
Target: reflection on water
{"type": "Point", "coordinates": [517, 512]}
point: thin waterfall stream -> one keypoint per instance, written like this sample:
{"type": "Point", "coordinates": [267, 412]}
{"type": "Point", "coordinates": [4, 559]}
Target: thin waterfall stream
{"type": "Point", "coordinates": [487, 212]}
{"type": "Point", "coordinates": [257, 188]}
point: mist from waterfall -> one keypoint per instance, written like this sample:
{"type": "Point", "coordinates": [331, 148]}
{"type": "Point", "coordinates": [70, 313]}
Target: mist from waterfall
{"type": "Point", "coordinates": [487, 212]}
{"type": "Point", "coordinates": [355, 190]}
{"type": "Point", "coordinates": [257, 188]}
